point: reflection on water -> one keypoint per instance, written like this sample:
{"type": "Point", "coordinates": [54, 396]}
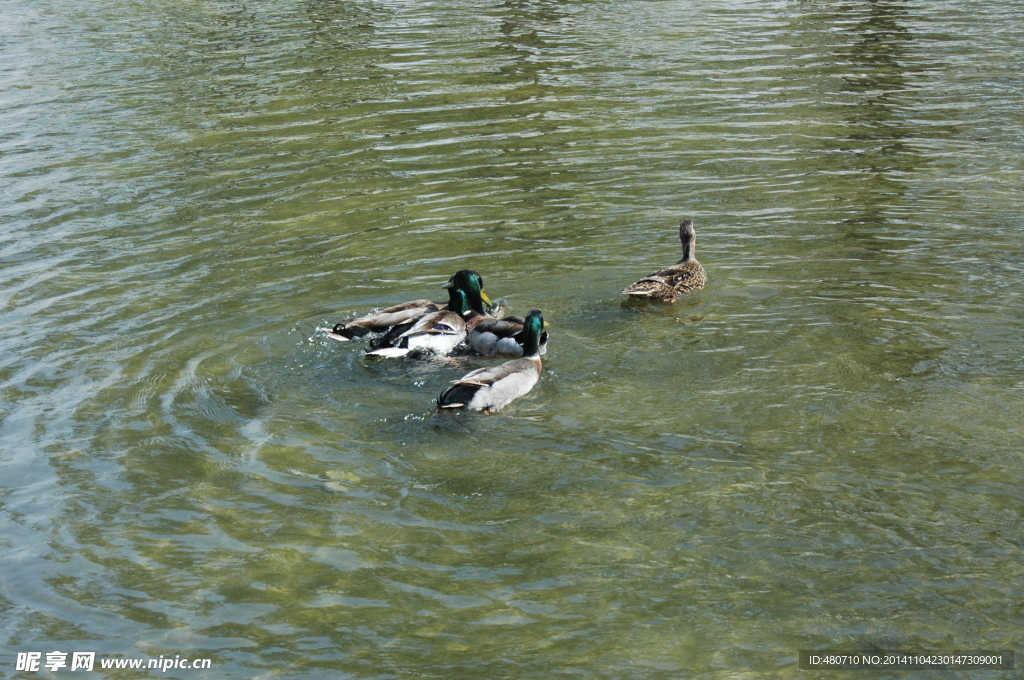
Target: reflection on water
{"type": "Point", "coordinates": [878, 139]}
{"type": "Point", "coordinates": [818, 450]}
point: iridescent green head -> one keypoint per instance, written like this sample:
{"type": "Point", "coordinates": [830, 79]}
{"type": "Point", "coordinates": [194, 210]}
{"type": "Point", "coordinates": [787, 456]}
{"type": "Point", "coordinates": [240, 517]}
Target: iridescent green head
{"type": "Point", "coordinates": [533, 327]}
{"type": "Point", "coordinates": [458, 301]}
{"type": "Point", "coordinates": [472, 284]}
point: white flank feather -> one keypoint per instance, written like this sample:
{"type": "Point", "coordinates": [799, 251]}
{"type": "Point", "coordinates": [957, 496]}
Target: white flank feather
{"type": "Point", "coordinates": [389, 352]}
{"type": "Point", "coordinates": [497, 395]}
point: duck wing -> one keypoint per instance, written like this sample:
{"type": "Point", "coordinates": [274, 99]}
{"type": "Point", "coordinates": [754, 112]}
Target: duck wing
{"type": "Point", "coordinates": [502, 328]}
{"type": "Point", "coordinates": [381, 321]}
{"type": "Point", "coordinates": [484, 377]}
{"type": "Point", "coordinates": [656, 287]}
{"type": "Point", "coordinates": [442, 322]}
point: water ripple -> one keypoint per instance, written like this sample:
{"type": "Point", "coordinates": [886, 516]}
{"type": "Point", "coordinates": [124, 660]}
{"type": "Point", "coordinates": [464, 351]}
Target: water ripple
{"type": "Point", "coordinates": [821, 446]}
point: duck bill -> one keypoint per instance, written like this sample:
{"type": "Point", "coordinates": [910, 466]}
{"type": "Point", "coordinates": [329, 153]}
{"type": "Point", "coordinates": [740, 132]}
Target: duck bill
{"type": "Point", "coordinates": [483, 296]}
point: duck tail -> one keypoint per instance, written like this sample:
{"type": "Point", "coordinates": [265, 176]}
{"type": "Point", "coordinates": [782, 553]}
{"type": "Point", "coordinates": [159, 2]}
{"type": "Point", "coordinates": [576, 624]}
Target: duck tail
{"type": "Point", "coordinates": [457, 396]}
{"type": "Point", "coordinates": [343, 333]}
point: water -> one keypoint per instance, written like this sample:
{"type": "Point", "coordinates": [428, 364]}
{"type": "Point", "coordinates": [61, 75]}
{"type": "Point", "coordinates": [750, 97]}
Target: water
{"type": "Point", "coordinates": [820, 450]}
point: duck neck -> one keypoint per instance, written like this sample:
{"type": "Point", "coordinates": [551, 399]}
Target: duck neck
{"type": "Point", "coordinates": [689, 244]}
{"type": "Point", "coordinates": [457, 301]}
{"type": "Point", "coordinates": [531, 345]}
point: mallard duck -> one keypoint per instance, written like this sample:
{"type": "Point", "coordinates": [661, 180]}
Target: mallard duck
{"type": "Point", "coordinates": [490, 337]}
{"type": "Point", "coordinates": [408, 313]}
{"type": "Point", "coordinates": [472, 284]}
{"type": "Point", "coordinates": [490, 389]}
{"type": "Point", "coordinates": [466, 280]}
{"type": "Point", "coordinates": [682, 277]}
{"type": "Point", "coordinates": [437, 332]}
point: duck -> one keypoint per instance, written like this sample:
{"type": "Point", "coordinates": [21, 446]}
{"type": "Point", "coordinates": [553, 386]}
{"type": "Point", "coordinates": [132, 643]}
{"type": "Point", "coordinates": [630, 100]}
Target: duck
{"type": "Point", "coordinates": [466, 280]}
{"type": "Point", "coordinates": [490, 337]}
{"type": "Point", "coordinates": [490, 389]}
{"type": "Point", "coordinates": [682, 277]}
{"type": "Point", "coordinates": [436, 333]}
{"type": "Point", "coordinates": [402, 317]}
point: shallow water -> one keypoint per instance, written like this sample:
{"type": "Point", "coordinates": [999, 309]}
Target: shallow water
{"type": "Point", "coordinates": [820, 450]}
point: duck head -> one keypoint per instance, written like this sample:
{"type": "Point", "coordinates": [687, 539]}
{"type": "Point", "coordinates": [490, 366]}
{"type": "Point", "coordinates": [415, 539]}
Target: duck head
{"type": "Point", "coordinates": [472, 284]}
{"type": "Point", "coordinates": [533, 327]}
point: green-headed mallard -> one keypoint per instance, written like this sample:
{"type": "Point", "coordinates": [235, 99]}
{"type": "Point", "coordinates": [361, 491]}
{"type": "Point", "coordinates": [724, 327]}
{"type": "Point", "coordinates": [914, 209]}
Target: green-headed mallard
{"type": "Point", "coordinates": [682, 277]}
{"type": "Point", "coordinates": [408, 313]}
{"type": "Point", "coordinates": [437, 332]}
{"type": "Point", "coordinates": [490, 389]}
{"type": "Point", "coordinates": [490, 337]}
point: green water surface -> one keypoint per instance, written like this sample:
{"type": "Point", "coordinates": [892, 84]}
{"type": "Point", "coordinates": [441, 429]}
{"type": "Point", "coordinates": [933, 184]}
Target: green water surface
{"type": "Point", "coordinates": [820, 450]}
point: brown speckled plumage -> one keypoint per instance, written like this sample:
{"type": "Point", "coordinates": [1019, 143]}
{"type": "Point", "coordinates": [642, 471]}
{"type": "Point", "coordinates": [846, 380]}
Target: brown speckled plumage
{"type": "Point", "coordinates": [668, 284]}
